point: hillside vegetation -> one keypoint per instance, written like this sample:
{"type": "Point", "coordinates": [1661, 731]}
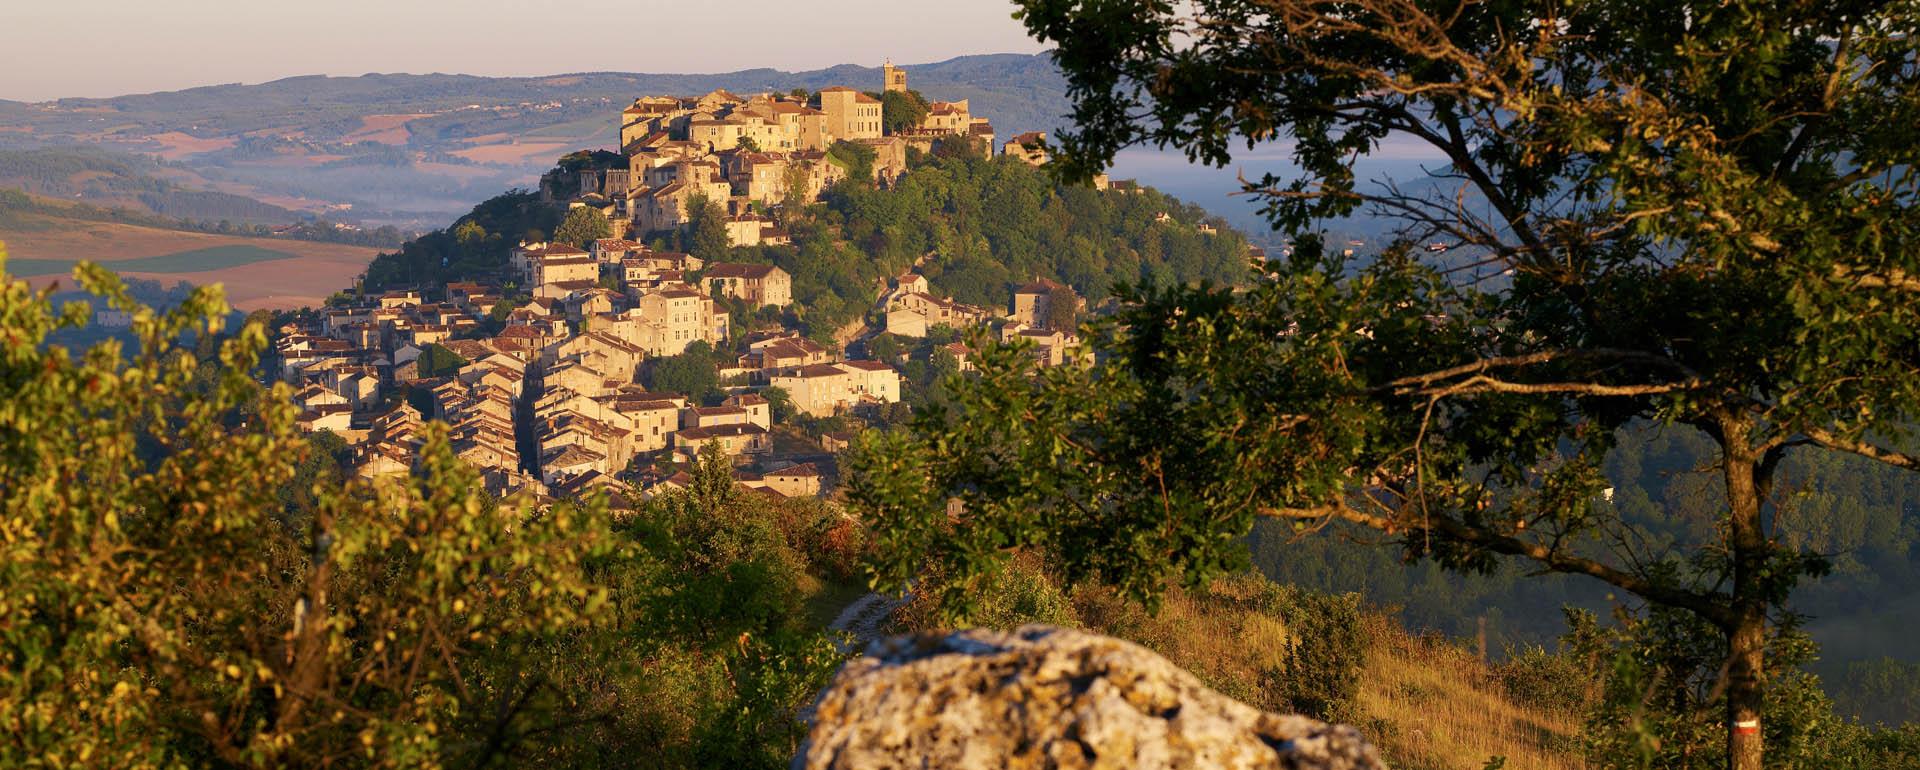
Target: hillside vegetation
{"type": "Point", "coordinates": [976, 227]}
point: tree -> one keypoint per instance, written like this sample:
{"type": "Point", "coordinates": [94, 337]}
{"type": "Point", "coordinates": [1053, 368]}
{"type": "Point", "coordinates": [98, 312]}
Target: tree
{"type": "Point", "coordinates": [779, 404]}
{"type": "Point", "coordinates": [901, 110]}
{"type": "Point", "coordinates": [1686, 219]}
{"type": "Point", "coordinates": [885, 347]}
{"type": "Point", "coordinates": [706, 232]}
{"type": "Point", "coordinates": [1063, 309]}
{"type": "Point", "coordinates": [583, 226]}
{"type": "Point", "coordinates": [748, 144]}
{"type": "Point", "coordinates": [437, 360]}
{"type": "Point", "coordinates": [186, 580]}
{"type": "Point", "coordinates": [857, 159]}
{"type": "Point", "coordinates": [796, 186]}
{"type": "Point", "coordinates": [469, 234]}
{"type": "Point", "coordinates": [152, 537]}
{"type": "Point", "coordinates": [692, 372]}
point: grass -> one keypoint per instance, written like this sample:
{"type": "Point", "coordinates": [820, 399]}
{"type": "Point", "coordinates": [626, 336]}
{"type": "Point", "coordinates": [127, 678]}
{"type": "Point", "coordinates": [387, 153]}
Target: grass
{"type": "Point", "coordinates": [192, 261]}
{"type": "Point", "coordinates": [825, 598]}
{"type": "Point", "coordinates": [1429, 703]}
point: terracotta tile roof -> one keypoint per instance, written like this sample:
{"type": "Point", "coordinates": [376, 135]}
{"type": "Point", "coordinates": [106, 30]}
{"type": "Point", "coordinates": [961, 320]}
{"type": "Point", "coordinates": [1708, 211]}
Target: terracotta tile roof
{"type": "Point", "coordinates": [738, 270]}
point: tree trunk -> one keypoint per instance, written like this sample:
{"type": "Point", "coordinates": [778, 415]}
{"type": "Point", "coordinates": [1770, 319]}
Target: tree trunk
{"type": "Point", "coordinates": [1747, 634]}
{"type": "Point", "coordinates": [1747, 648]}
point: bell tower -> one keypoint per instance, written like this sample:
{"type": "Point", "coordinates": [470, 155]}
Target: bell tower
{"type": "Point", "coordinates": [896, 77]}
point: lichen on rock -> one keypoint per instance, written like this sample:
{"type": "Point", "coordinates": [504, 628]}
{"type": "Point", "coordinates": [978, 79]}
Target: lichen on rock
{"type": "Point", "coordinates": [1045, 697]}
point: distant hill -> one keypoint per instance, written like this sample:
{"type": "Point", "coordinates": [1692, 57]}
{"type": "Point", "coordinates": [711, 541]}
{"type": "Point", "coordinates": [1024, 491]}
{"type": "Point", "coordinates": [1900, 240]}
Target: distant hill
{"type": "Point", "coordinates": [45, 239]}
{"type": "Point", "coordinates": [104, 177]}
{"type": "Point", "coordinates": [417, 150]}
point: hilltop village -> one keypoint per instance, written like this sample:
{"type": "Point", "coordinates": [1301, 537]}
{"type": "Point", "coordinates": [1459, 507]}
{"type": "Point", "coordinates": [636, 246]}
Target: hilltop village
{"type": "Point", "coordinates": [538, 372]}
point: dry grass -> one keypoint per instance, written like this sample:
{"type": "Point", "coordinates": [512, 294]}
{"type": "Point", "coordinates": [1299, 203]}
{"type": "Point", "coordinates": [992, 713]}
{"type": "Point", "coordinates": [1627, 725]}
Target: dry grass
{"type": "Point", "coordinates": [1431, 704]}
{"type": "Point", "coordinates": [385, 129]}
{"type": "Point", "coordinates": [175, 145]}
{"type": "Point", "coordinates": [1223, 635]}
{"type": "Point", "coordinates": [1427, 703]}
{"type": "Point", "coordinates": [511, 152]}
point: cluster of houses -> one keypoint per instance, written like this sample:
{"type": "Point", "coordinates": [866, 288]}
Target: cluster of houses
{"type": "Point", "coordinates": [748, 153]}
{"type": "Point", "coordinates": [537, 374]}
{"type": "Point", "coordinates": [911, 309]}
{"type": "Point", "coordinates": [545, 396]}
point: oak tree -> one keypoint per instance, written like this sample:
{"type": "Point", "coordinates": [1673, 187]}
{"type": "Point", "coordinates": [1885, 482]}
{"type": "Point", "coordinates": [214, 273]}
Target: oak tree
{"type": "Point", "coordinates": [1697, 216]}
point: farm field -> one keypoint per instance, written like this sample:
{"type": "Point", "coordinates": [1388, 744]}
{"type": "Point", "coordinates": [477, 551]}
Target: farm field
{"type": "Point", "coordinates": [258, 273]}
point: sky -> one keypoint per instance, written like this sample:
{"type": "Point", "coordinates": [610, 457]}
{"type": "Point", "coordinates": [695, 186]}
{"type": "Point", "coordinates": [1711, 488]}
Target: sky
{"type": "Point", "coordinates": [60, 48]}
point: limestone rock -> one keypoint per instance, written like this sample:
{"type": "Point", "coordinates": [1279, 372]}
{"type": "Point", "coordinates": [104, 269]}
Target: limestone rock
{"type": "Point", "coordinates": [1044, 697]}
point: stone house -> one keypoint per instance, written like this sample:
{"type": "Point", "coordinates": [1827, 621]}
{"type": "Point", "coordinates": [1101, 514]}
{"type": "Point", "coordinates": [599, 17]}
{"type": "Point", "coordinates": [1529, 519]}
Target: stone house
{"type": "Point", "coordinates": [825, 389]}
{"type": "Point", "coordinates": [734, 439]}
{"type": "Point", "coordinates": [759, 285]}
{"type": "Point", "coordinates": [803, 480]}
{"type": "Point", "coordinates": [849, 114]}
{"type": "Point", "coordinates": [1028, 148]}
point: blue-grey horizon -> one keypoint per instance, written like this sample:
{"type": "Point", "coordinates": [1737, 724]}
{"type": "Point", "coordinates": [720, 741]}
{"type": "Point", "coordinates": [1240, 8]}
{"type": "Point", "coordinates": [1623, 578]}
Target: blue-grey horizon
{"type": "Point", "coordinates": [128, 47]}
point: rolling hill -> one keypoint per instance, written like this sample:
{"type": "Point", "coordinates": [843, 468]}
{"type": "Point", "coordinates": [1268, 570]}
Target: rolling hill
{"type": "Point", "coordinates": [257, 272]}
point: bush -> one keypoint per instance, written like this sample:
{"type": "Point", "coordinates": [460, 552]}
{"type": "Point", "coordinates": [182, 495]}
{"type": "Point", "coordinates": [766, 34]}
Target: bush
{"type": "Point", "coordinates": [1558, 681]}
{"type": "Point", "coordinates": [1323, 662]}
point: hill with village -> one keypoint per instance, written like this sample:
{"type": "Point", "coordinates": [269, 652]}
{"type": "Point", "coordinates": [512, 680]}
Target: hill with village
{"type": "Point", "coordinates": [764, 273]}
{"type": "Point", "coordinates": [415, 150]}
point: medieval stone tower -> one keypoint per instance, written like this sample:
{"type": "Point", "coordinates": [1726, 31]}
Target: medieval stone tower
{"type": "Point", "coordinates": [896, 77]}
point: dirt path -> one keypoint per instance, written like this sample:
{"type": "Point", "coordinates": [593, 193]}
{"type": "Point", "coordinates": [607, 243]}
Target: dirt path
{"type": "Point", "coordinates": [865, 619]}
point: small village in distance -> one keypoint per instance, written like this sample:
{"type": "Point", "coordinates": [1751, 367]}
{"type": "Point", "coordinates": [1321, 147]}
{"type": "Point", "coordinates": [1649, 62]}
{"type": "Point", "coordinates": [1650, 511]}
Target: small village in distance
{"type": "Point", "coordinates": [548, 400]}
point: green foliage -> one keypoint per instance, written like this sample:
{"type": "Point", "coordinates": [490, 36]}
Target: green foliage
{"type": "Point", "coordinates": [500, 311]}
{"type": "Point", "coordinates": [856, 158]}
{"type": "Point", "coordinates": [1063, 309]}
{"type": "Point", "coordinates": [984, 227]}
{"type": "Point", "coordinates": [691, 373]}
{"type": "Point", "coordinates": [779, 403]}
{"type": "Point", "coordinates": [438, 361]}
{"type": "Point", "coordinates": [884, 347]}
{"type": "Point", "coordinates": [1730, 249]}
{"type": "Point", "coordinates": [705, 235]}
{"type": "Point", "coordinates": [1323, 662]}
{"type": "Point", "coordinates": [469, 234]}
{"type": "Point", "coordinates": [1661, 699]}
{"type": "Point", "coordinates": [590, 160]}
{"type": "Point", "coordinates": [901, 110]}
{"type": "Point", "coordinates": [170, 599]}
{"type": "Point", "coordinates": [733, 609]}
{"type": "Point", "coordinates": [1882, 691]}
{"type": "Point", "coordinates": [1023, 593]}
{"type": "Point", "coordinates": [583, 225]}
{"type": "Point", "coordinates": [441, 256]}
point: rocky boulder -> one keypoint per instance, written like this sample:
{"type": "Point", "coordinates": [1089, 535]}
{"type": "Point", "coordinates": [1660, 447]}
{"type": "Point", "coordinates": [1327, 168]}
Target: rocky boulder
{"type": "Point", "coordinates": [1044, 697]}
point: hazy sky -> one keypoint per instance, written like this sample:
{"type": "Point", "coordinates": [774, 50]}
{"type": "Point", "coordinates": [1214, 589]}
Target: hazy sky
{"type": "Point", "coordinates": [56, 48]}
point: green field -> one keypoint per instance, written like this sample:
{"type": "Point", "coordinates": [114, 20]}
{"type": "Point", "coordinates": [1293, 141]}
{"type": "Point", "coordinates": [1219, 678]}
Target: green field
{"type": "Point", "coordinates": [193, 261]}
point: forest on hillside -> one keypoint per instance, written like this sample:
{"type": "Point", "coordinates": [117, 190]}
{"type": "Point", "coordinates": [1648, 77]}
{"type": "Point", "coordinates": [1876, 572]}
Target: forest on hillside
{"type": "Point", "coordinates": [101, 186]}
